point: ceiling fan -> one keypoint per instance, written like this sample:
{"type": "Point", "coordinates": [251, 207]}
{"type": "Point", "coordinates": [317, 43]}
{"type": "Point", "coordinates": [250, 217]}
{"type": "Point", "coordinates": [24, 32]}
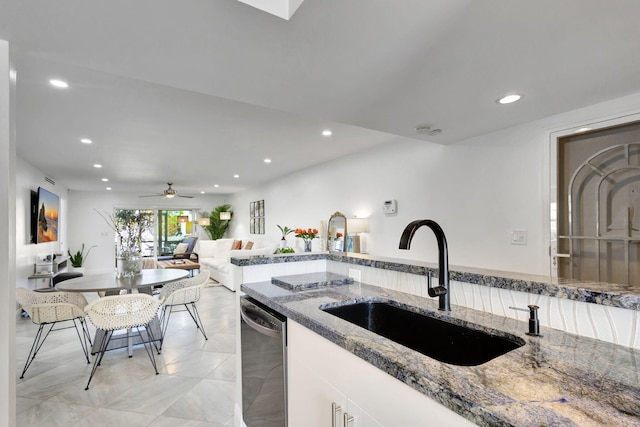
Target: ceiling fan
{"type": "Point", "coordinates": [169, 193]}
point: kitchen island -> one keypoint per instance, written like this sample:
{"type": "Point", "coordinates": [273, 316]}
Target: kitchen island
{"type": "Point", "coordinates": [556, 379]}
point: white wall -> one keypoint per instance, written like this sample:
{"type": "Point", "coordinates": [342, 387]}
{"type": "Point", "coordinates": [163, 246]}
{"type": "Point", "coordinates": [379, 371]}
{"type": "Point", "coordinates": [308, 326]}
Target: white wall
{"type": "Point", "coordinates": [479, 190]}
{"type": "Point", "coordinates": [7, 238]}
{"type": "Point", "coordinates": [28, 179]}
{"type": "Point", "coordinates": [86, 226]}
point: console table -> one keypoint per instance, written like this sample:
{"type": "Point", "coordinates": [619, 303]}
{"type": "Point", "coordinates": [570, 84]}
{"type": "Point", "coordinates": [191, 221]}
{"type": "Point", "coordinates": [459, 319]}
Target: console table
{"type": "Point", "coordinates": [58, 265]}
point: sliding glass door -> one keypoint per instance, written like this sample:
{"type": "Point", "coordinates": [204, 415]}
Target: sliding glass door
{"type": "Point", "coordinates": [172, 227]}
{"type": "Point", "coordinates": [166, 229]}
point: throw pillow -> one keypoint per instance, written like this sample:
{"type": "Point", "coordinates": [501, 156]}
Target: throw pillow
{"type": "Point", "coordinates": [181, 248]}
{"type": "Point", "coordinates": [237, 244]}
{"type": "Point", "coordinates": [248, 246]}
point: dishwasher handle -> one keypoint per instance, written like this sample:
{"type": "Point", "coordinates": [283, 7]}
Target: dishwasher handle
{"type": "Point", "coordinates": [274, 333]}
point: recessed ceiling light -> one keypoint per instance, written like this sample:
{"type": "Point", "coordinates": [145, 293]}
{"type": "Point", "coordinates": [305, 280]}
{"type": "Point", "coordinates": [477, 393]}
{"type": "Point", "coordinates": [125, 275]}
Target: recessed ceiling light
{"type": "Point", "coordinates": [236, 176]}
{"type": "Point", "coordinates": [105, 179]}
{"type": "Point", "coordinates": [59, 83]}
{"type": "Point", "coordinates": [267, 160]}
{"type": "Point", "coordinates": [509, 99]}
{"type": "Point", "coordinates": [326, 132]}
{"type": "Point", "coordinates": [216, 185]}
{"type": "Point", "coordinates": [86, 141]}
{"type": "Point", "coordinates": [97, 166]}
{"type": "Point", "coordinates": [108, 188]}
{"type": "Point", "coordinates": [202, 192]}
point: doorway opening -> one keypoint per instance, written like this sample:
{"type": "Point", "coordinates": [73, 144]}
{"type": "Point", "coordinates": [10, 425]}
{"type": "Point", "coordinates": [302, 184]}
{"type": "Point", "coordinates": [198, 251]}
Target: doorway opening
{"type": "Point", "coordinates": [597, 209]}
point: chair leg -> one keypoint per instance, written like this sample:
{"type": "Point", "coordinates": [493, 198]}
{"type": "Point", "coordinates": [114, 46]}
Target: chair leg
{"type": "Point", "coordinates": [83, 337]}
{"type": "Point", "coordinates": [164, 323]}
{"type": "Point", "coordinates": [196, 318]}
{"type": "Point", "coordinates": [35, 347]}
{"type": "Point", "coordinates": [148, 349]}
{"type": "Point", "coordinates": [86, 331]}
{"type": "Point", "coordinates": [104, 342]}
{"type": "Point", "coordinates": [151, 335]}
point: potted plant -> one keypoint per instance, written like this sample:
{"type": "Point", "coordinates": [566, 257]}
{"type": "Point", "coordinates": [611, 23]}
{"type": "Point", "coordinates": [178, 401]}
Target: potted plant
{"type": "Point", "coordinates": [217, 227]}
{"type": "Point", "coordinates": [286, 250]}
{"type": "Point", "coordinates": [285, 232]}
{"type": "Point", "coordinates": [78, 259]}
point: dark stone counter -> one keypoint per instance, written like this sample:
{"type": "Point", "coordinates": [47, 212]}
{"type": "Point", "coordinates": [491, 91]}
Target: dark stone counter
{"type": "Point", "coordinates": [615, 295]}
{"type": "Point", "coordinates": [558, 379]}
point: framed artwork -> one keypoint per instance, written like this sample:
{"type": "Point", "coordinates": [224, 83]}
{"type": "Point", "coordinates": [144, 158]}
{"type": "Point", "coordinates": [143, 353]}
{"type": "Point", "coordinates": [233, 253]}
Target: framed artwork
{"type": "Point", "coordinates": [47, 207]}
{"type": "Point", "coordinates": [256, 217]}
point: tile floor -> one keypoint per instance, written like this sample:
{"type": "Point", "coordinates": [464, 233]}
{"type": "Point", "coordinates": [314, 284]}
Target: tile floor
{"type": "Point", "coordinates": [195, 387]}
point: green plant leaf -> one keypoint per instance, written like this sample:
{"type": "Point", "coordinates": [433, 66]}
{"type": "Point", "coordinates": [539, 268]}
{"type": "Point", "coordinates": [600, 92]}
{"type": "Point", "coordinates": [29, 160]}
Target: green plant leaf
{"type": "Point", "coordinates": [218, 227]}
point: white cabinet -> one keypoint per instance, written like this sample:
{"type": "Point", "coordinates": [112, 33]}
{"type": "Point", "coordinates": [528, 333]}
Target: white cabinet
{"type": "Point", "coordinates": [321, 373]}
{"type": "Point", "coordinates": [314, 402]}
{"type": "Point", "coordinates": [312, 398]}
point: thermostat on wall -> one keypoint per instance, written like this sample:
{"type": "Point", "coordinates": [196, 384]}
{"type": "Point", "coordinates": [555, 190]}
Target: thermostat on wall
{"type": "Point", "coordinates": [390, 207]}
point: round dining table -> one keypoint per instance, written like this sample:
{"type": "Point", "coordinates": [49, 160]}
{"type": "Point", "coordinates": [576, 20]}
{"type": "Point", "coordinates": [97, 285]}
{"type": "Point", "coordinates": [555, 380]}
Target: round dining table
{"type": "Point", "coordinates": [108, 282]}
{"type": "Point", "coordinates": [112, 285]}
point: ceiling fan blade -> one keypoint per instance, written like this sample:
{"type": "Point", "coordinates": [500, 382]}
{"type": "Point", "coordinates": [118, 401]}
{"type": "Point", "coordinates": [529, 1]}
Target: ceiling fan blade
{"type": "Point", "coordinates": [153, 195]}
{"type": "Point", "coordinates": [186, 197]}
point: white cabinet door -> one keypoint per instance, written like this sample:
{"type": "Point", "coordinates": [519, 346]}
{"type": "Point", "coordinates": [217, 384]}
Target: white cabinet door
{"type": "Point", "coordinates": [321, 372]}
{"type": "Point", "coordinates": [360, 417]}
{"type": "Point", "coordinates": [310, 399]}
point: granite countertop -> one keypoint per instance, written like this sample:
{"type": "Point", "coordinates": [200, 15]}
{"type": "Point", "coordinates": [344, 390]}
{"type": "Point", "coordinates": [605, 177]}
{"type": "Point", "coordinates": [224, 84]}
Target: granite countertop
{"type": "Point", "coordinates": [558, 379]}
{"type": "Point", "coordinates": [610, 294]}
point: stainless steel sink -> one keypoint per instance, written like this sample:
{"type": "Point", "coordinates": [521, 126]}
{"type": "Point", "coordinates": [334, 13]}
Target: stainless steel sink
{"type": "Point", "coordinates": [436, 338]}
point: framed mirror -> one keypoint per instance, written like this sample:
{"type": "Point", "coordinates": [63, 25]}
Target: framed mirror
{"type": "Point", "coordinates": [337, 233]}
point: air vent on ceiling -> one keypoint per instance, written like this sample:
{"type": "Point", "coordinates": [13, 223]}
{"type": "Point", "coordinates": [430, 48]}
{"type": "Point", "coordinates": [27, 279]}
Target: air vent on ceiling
{"type": "Point", "coordinates": [49, 180]}
{"type": "Point", "coordinates": [426, 130]}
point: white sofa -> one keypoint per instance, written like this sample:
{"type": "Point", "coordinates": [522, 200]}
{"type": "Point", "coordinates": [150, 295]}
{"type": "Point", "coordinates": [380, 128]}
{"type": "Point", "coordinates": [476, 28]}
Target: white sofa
{"type": "Point", "coordinates": [215, 256]}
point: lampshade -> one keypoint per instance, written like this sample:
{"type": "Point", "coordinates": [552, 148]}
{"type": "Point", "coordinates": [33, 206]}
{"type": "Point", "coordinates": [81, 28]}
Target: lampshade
{"type": "Point", "coordinates": [203, 222]}
{"type": "Point", "coordinates": [183, 218]}
{"type": "Point", "coordinates": [357, 225]}
{"type": "Point", "coordinates": [225, 216]}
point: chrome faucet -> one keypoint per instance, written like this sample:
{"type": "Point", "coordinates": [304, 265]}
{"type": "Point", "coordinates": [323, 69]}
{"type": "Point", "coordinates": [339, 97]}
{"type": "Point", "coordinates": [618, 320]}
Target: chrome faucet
{"type": "Point", "coordinates": [442, 291]}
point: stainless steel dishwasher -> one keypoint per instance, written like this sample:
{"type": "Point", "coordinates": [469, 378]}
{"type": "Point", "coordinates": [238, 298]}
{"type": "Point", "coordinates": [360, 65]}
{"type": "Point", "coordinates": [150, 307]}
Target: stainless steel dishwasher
{"type": "Point", "coordinates": [263, 336]}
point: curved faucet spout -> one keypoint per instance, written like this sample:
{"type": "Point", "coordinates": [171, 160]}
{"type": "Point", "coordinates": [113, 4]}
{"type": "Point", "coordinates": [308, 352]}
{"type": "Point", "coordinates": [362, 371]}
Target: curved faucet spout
{"type": "Point", "coordinates": [441, 291]}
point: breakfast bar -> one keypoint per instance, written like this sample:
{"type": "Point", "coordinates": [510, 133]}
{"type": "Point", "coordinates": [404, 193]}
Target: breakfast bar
{"type": "Point", "coordinates": [557, 378]}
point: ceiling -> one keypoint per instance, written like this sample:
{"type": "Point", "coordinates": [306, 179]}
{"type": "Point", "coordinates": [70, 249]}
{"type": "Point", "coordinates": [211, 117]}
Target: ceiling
{"type": "Point", "coordinates": [193, 92]}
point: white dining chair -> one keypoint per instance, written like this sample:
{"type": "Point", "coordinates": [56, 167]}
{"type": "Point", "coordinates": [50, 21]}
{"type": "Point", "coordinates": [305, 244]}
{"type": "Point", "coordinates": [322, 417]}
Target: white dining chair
{"type": "Point", "coordinates": [47, 309]}
{"type": "Point", "coordinates": [116, 312]}
{"type": "Point", "coordinates": [185, 293]}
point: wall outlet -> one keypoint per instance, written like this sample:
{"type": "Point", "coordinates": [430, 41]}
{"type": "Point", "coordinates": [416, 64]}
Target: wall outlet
{"type": "Point", "coordinates": [518, 237]}
{"type": "Point", "coordinates": [356, 275]}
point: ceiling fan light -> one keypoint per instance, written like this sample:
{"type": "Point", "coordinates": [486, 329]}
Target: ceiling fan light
{"type": "Point", "coordinates": [170, 196]}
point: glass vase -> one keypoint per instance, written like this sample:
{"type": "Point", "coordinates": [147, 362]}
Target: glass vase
{"type": "Point", "coordinates": [128, 266]}
{"type": "Point", "coordinates": [307, 245]}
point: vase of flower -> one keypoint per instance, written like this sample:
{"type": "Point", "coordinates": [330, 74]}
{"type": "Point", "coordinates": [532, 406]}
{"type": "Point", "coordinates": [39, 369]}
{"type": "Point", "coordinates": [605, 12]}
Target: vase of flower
{"type": "Point", "coordinates": [307, 235]}
{"type": "Point", "coordinates": [129, 226]}
{"type": "Point", "coordinates": [128, 265]}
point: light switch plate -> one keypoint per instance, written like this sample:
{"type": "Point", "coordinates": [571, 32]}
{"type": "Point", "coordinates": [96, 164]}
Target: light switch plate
{"type": "Point", "coordinates": [518, 237]}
